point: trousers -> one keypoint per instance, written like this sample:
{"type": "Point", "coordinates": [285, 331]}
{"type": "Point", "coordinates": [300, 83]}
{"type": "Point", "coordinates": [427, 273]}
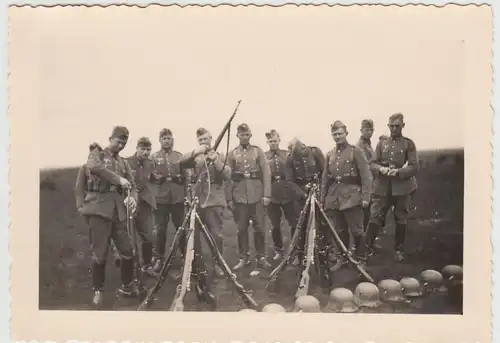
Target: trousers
{"type": "Point", "coordinates": [274, 213]}
{"type": "Point", "coordinates": [242, 214]}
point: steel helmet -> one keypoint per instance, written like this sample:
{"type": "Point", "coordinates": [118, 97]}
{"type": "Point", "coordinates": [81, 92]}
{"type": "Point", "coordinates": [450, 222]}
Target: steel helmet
{"type": "Point", "coordinates": [391, 290]}
{"type": "Point", "coordinates": [275, 308]}
{"type": "Point", "coordinates": [341, 300]}
{"type": "Point", "coordinates": [367, 295]}
{"type": "Point", "coordinates": [411, 287]}
{"type": "Point", "coordinates": [307, 303]}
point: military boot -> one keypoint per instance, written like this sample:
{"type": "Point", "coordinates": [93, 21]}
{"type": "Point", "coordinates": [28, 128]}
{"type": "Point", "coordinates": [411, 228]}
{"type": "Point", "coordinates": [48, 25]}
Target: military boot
{"type": "Point", "coordinates": [97, 298]}
{"type": "Point", "coordinates": [243, 262]}
{"type": "Point", "coordinates": [98, 275]}
{"type": "Point", "coordinates": [400, 236]}
{"type": "Point", "coordinates": [263, 263]}
{"type": "Point", "coordinates": [218, 271]}
{"type": "Point", "coordinates": [278, 256]}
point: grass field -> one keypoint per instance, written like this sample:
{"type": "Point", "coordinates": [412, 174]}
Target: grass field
{"type": "Point", "coordinates": [434, 240]}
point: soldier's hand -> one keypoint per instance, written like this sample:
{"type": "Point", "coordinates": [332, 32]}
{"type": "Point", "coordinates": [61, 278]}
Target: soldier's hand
{"type": "Point", "coordinates": [202, 149]}
{"type": "Point", "coordinates": [230, 205]}
{"type": "Point", "coordinates": [125, 183]}
{"type": "Point", "coordinates": [365, 204]}
{"type": "Point", "coordinates": [393, 172]}
{"type": "Point", "coordinates": [266, 201]}
{"type": "Point", "coordinates": [384, 170]}
{"type": "Point", "coordinates": [212, 155]}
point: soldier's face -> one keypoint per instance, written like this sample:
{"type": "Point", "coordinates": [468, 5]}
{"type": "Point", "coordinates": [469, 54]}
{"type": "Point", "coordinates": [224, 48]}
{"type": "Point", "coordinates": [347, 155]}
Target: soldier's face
{"type": "Point", "coordinates": [143, 152]}
{"type": "Point", "coordinates": [205, 139]}
{"type": "Point", "coordinates": [367, 132]}
{"type": "Point", "coordinates": [274, 143]}
{"type": "Point", "coordinates": [339, 136]}
{"type": "Point", "coordinates": [167, 141]}
{"type": "Point", "coordinates": [244, 137]}
{"type": "Point", "coordinates": [117, 144]}
{"type": "Point", "coordinates": [396, 127]}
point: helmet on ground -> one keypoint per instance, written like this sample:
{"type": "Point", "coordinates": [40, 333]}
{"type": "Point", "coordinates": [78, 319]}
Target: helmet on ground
{"type": "Point", "coordinates": [432, 281]}
{"type": "Point", "coordinates": [391, 290]}
{"type": "Point", "coordinates": [367, 295]}
{"type": "Point", "coordinates": [307, 303]}
{"type": "Point", "coordinates": [411, 287]}
{"type": "Point", "coordinates": [341, 300]}
{"type": "Point", "coordinates": [275, 308]}
{"type": "Point", "coordinates": [452, 272]}
{"type": "Point", "coordinates": [246, 310]}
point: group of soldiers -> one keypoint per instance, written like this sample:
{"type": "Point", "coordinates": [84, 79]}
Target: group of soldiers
{"type": "Point", "coordinates": [357, 186]}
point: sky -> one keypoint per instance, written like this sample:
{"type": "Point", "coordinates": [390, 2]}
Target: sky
{"type": "Point", "coordinates": [296, 70]}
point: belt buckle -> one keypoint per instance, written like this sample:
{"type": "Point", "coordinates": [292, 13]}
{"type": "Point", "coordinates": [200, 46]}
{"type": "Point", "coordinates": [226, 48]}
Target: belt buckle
{"type": "Point", "coordinates": [168, 179]}
{"type": "Point", "coordinates": [338, 178]}
{"type": "Point", "coordinates": [277, 177]}
{"type": "Point", "coordinates": [246, 175]}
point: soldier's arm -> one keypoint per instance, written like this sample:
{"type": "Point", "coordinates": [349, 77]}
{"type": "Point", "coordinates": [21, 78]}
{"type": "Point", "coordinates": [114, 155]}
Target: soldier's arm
{"type": "Point", "coordinates": [188, 160]}
{"type": "Point", "coordinates": [228, 184]}
{"type": "Point", "coordinates": [365, 173]}
{"type": "Point", "coordinates": [324, 179]}
{"type": "Point", "coordinates": [226, 170]}
{"type": "Point", "coordinates": [80, 187]}
{"type": "Point", "coordinates": [95, 165]}
{"type": "Point", "coordinates": [320, 159]}
{"type": "Point", "coordinates": [374, 161]}
{"type": "Point", "coordinates": [412, 167]}
{"type": "Point", "coordinates": [289, 166]}
{"type": "Point", "coordinates": [288, 170]}
{"type": "Point", "coordinates": [130, 177]}
{"type": "Point", "coordinates": [266, 173]}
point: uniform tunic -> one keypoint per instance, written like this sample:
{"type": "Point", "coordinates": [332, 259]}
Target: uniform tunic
{"type": "Point", "coordinates": [250, 182]}
{"type": "Point", "coordinates": [107, 213]}
{"type": "Point", "coordinates": [366, 145]}
{"type": "Point", "coordinates": [210, 190]}
{"type": "Point", "coordinates": [399, 152]}
{"type": "Point", "coordinates": [170, 180]}
{"type": "Point", "coordinates": [284, 195]}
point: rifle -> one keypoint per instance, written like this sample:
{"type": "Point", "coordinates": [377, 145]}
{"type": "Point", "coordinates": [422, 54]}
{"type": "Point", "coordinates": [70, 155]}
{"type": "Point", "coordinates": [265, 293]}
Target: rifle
{"type": "Point", "coordinates": [133, 240]}
{"type": "Point", "coordinates": [165, 268]}
{"type": "Point", "coordinates": [184, 286]}
{"type": "Point", "coordinates": [243, 293]}
{"type": "Point", "coordinates": [273, 277]}
{"type": "Point", "coordinates": [303, 288]}
{"type": "Point", "coordinates": [225, 128]}
{"type": "Point", "coordinates": [344, 249]}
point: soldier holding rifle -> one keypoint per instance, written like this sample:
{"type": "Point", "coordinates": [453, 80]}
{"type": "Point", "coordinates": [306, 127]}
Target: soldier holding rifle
{"type": "Point", "coordinates": [249, 193]}
{"type": "Point", "coordinates": [142, 169]}
{"type": "Point", "coordinates": [107, 212]}
{"type": "Point", "coordinates": [345, 189]}
{"type": "Point", "coordinates": [394, 165]}
{"type": "Point", "coordinates": [211, 173]}
{"type": "Point", "coordinates": [283, 196]}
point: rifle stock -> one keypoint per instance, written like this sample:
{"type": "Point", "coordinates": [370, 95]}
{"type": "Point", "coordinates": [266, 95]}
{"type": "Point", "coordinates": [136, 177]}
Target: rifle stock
{"type": "Point", "coordinates": [182, 289]}
{"type": "Point", "coordinates": [303, 288]}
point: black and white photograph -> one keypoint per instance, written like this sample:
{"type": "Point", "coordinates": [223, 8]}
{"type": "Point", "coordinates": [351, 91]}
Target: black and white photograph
{"type": "Point", "coordinates": [295, 159]}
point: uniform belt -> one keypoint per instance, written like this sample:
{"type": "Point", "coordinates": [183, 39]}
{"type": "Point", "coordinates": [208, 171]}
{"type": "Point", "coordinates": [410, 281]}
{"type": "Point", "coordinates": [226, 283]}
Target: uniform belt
{"type": "Point", "coordinates": [390, 165]}
{"type": "Point", "coordinates": [174, 179]}
{"type": "Point", "coordinates": [304, 180]}
{"type": "Point", "coordinates": [277, 178]}
{"type": "Point", "coordinates": [240, 176]}
{"type": "Point", "coordinates": [350, 180]}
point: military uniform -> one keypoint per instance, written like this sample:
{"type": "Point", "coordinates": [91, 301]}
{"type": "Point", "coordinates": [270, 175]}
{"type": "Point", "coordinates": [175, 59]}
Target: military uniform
{"type": "Point", "coordinates": [346, 183]}
{"type": "Point", "coordinates": [395, 153]}
{"type": "Point", "coordinates": [142, 170]}
{"type": "Point", "coordinates": [106, 212]}
{"type": "Point", "coordinates": [365, 144]}
{"type": "Point", "coordinates": [250, 182]}
{"type": "Point", "coordinates": [283, 194]}
{"type": "Point", "coordinates": [171, 181]}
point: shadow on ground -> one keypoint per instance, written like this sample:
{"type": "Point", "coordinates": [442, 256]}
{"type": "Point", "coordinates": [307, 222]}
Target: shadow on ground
{"type": "Point", "coordinates": [434, 240]}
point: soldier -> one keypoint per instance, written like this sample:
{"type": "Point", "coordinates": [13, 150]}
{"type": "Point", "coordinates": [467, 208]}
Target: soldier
{"type": "Point", "coordinates": [307, 164]}
{"type": "Point", "coordinates": [107, 214]}
{"type": "Point", "coordinates": [365, 144]}
{"type": "Point", "coordinates": [393, 182]}
{"type": "Point", "coordinates": [86, 188]}
{"type": "Point", "coordinates": [282, 195]}
{"type": "Point", "coordinates": [171, 181]}
{"type": "Point", "coordinates": [345, 190]}
{"type": "Point", "coordinates": [211, 172]}
{"type": "Point", "coordinates": [142, 169]}
{"type": "Point", "coordinates": [248, 196]}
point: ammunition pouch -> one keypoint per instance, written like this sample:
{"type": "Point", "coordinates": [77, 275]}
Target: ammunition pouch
{"type": "Point", "coordinates": [240, 176]}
